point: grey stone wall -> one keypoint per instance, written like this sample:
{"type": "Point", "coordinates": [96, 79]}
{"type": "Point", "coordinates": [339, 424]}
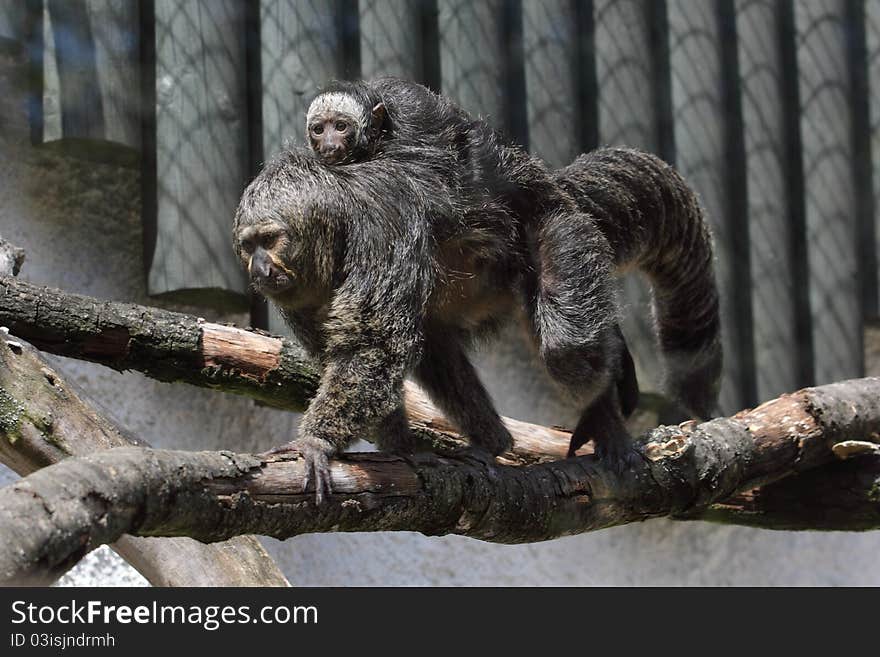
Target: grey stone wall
{"type": "Point", "coordinates": [80, 224]}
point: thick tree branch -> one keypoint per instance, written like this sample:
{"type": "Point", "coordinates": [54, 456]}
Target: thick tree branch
{"type": "Point", "coordinates": [171, 346]}
{"type": "Point", "coordinates": [43, 421]}
{"type": "Point", "coordinates": [841, 496]}
{"type": "Point", "coordinates": [164, 345]}
{"type": "Point", "coordinates": [58, 513]}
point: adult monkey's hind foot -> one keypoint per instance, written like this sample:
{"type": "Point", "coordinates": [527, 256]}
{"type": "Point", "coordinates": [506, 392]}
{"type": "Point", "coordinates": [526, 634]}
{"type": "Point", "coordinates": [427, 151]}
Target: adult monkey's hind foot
{"type": "Point", "coordinates": [316, 462]}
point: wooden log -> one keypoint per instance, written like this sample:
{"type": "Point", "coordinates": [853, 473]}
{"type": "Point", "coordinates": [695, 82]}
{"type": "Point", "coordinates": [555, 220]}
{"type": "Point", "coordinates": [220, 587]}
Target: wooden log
{"type": "Point", "coordinates": [704, 141]}
{"type": "Point", "coordinates": [201, 157]}
{"type": "Point", "coordinates": [91, 79]}
{"type": "Point", "coordinates": [50, 519]}
{"type": "Point", "coordinates": [391, 38]}
{"type": "Point", "coordinates": [771, 233]}
{"type": "Point", "coordinates": [831, 209]}
{"type": "Point", "coordinates": [629, 110]}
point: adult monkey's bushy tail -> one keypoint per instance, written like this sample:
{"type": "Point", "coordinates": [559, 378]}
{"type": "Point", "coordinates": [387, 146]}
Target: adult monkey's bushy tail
{"type": "Point", "coordinates": [653, 222]}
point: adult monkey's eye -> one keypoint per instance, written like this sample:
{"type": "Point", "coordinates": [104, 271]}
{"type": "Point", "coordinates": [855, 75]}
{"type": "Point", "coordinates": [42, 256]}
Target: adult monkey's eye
{"type": "Point", "coordinates": [341, 126]}
{"type": "Point", "coordinates": [317, 129]}
{"type": "Point", "coordinates": [247, 246]}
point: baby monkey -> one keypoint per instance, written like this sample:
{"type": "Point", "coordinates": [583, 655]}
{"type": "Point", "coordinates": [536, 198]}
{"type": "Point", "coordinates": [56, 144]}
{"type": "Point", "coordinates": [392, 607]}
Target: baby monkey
{"type": "Point", "coordinates": [353, 121]}
{"type": "Point", "coordinates": [340, 131]}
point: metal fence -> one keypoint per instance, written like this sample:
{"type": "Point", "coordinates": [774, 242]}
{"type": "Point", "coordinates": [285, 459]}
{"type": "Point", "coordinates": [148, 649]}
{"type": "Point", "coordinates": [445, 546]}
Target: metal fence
{"type": "Point", "coordinates": [770, 108]}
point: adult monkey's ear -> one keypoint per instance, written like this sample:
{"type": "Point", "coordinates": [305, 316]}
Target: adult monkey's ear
{"type": "Point", "coordinates": [377, 115]}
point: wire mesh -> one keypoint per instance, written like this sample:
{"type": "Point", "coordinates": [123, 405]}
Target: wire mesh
{"type": "Point", "coordinates": [771, 234]}
{"type": "Point", "coordinates": [826, 134]}
{"type": "Point", "coordinates": [201, 144]}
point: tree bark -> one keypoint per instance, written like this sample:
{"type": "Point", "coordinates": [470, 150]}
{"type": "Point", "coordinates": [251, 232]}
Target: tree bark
{"type": "Point", "coordinates": [51, 518]}
{"type": "Point", "coordinates": [841, 496]}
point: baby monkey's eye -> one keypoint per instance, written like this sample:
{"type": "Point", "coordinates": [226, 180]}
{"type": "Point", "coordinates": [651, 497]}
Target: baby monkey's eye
{"type": "Point", "coordinates": [247, 246]}
{"type": "Point", "coordinates": [341, 126]}
{"type": "Point", "coordinates": [317, 129]}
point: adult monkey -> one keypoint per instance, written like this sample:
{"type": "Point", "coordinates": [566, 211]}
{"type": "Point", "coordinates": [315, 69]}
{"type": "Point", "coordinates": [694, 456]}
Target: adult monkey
{"type": "Point", "coordinates": [392, 265]}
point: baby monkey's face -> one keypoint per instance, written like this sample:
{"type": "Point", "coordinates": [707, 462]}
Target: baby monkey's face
{"type": "Point", "coordinates": [333, 135]}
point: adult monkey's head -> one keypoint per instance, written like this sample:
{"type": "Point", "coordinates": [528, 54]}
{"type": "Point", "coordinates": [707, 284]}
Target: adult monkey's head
{"type": "Point", "coordinates": [344, 123]}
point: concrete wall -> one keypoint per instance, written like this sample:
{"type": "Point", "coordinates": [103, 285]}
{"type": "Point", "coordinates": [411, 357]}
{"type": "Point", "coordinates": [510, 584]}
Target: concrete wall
{"type": "Point", "coordinates": [80, 225]}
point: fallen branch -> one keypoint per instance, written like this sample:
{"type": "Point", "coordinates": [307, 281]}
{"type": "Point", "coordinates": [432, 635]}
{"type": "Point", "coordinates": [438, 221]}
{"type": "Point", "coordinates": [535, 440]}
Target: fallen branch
{"type": "Point", "coordinates": [60, 512]}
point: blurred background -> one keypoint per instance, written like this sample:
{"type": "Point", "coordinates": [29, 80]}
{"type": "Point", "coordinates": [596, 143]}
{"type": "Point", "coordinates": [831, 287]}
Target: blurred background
{"type": "Point", "coordinates": [128, 130]}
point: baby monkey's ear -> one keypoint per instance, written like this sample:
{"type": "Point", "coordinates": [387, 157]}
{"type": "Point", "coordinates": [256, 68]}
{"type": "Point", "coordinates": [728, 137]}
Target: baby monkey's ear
{"type": "Point", "coordinates": [377, 115]}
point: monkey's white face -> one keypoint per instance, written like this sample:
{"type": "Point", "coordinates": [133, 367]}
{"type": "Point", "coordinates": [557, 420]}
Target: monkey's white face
{"type": "Point", "coordinates": [333, 135]}
{"type": "Point", "coordinates": [334, 125]}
